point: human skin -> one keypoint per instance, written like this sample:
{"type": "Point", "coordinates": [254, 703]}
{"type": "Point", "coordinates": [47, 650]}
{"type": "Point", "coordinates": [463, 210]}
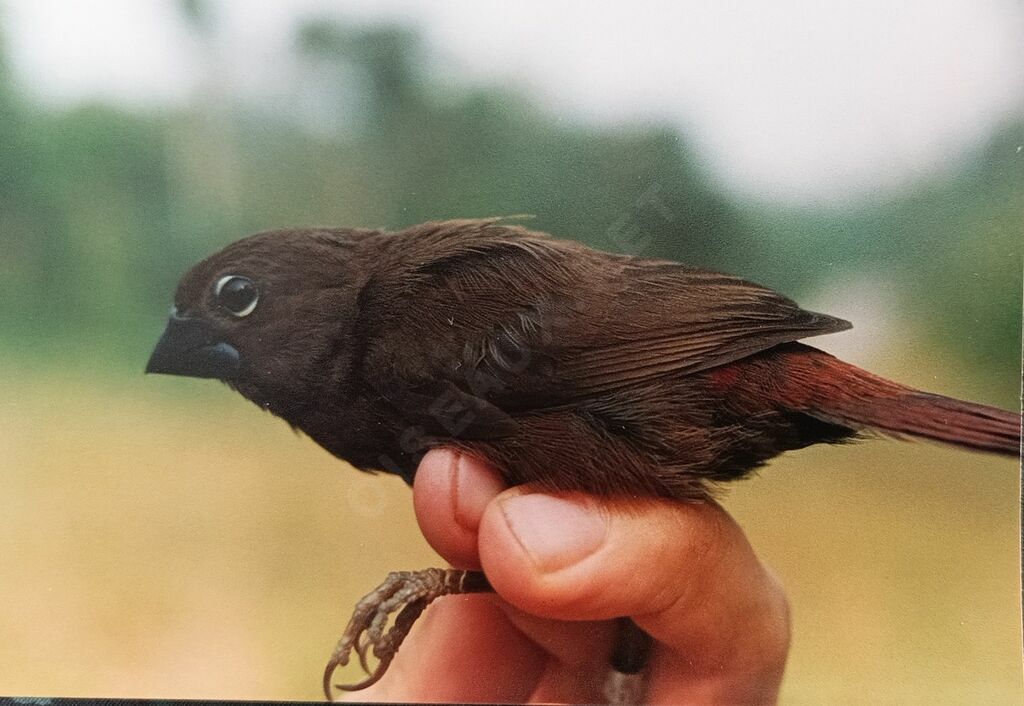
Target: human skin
{"type": "Point", "coordinates": [563, 565]}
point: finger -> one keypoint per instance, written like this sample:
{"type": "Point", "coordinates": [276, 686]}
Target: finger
{"type": "Point", "coordinates": [684, 571]}
{"type": "Point", "coordinates": [463, 648]}
{"type": "Point", "coordinates": [450, 493]}
{"type": "Point", "coordinates": [579, 654]}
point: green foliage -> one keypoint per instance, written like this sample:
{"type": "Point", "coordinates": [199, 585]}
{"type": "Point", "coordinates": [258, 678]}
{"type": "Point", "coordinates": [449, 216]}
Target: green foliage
{"type": "Point", "coordinates": [956, 246]}
{"type": "Point", "coordinates": [101, 209]}
{"type": "Point", "coordinates": [197, 13]}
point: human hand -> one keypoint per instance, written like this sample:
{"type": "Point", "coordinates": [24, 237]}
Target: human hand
{"type": "Point", "coordinates": [565, 564]}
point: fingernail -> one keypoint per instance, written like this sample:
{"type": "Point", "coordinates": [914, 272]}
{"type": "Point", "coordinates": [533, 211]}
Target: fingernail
{"type": "Point", "coordinates": [555, 532]}
{"type": "Point", "coordinates": [470, 495]}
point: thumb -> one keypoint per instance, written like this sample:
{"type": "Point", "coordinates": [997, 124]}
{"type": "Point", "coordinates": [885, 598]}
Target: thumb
{"type": "Point", "coordinates": [684, 572]}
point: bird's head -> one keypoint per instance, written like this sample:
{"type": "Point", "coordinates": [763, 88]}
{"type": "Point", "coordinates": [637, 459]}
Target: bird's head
{"type": "Point", "coordinates": [272, 315]}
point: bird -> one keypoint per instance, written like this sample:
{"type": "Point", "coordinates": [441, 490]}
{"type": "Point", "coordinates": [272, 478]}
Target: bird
{"type": "Point", "coordinates": [562, 366]}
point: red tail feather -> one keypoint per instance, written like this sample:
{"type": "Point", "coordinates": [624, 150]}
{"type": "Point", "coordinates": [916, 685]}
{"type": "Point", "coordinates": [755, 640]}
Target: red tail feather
{"type": "Point", "coordinates": [827, 388]}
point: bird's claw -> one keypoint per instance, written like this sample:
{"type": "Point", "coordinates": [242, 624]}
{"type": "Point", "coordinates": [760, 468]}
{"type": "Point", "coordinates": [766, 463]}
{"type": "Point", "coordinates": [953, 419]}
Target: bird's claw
{"type": "Point", "coordinates": [406, 593]}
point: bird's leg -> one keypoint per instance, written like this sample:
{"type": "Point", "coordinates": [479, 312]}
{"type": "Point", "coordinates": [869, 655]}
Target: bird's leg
{"type": "Point", "coordinates": [625, 683]}
{"type": "Point", "coordinates": [407, 593]}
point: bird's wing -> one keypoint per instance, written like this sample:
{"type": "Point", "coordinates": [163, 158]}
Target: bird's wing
{"type": "Point", "coordinates": [526, 322]}
{"type": "Point", "coordinates": [668, 319]}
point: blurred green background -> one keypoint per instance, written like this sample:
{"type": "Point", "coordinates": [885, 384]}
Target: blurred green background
{"type": "Point", "coordinates": [161, 537]}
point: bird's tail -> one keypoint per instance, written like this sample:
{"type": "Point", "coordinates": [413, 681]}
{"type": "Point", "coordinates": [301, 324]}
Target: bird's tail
{"type": "Point", "coordinates": [829, 389]}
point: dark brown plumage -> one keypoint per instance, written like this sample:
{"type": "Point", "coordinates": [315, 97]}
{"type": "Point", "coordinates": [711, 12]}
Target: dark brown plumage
{"type": "Point", "coordinates": [561, 365]}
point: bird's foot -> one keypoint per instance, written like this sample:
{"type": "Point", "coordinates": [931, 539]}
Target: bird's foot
{"type": "Point", "coordinates": [406, 593]}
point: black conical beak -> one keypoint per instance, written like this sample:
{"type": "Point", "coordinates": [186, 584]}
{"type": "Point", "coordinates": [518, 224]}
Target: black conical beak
{"type": "Point", "coordinates": [191, 347]}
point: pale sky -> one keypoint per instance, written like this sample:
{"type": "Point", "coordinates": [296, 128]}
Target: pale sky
{"type": "Point", "coordinates": [804, 101]}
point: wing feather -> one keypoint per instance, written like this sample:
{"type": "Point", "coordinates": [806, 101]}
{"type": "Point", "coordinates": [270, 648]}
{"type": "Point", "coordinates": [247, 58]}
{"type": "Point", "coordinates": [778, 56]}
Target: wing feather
{"type": "Point", "coordinates": [586, 322]}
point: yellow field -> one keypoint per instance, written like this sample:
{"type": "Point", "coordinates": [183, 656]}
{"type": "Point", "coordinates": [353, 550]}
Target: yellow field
{"type": "Point", "coordinates": [163, 538]}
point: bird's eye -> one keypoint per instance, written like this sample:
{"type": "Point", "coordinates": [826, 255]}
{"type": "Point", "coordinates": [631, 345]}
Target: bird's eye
{"type": "Point", "coordinates": [237, 294]}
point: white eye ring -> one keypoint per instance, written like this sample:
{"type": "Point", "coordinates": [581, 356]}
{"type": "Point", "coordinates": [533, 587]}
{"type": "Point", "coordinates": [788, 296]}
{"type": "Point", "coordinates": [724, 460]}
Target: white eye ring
{"type": "Point", "coordinates": [248, 307]}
